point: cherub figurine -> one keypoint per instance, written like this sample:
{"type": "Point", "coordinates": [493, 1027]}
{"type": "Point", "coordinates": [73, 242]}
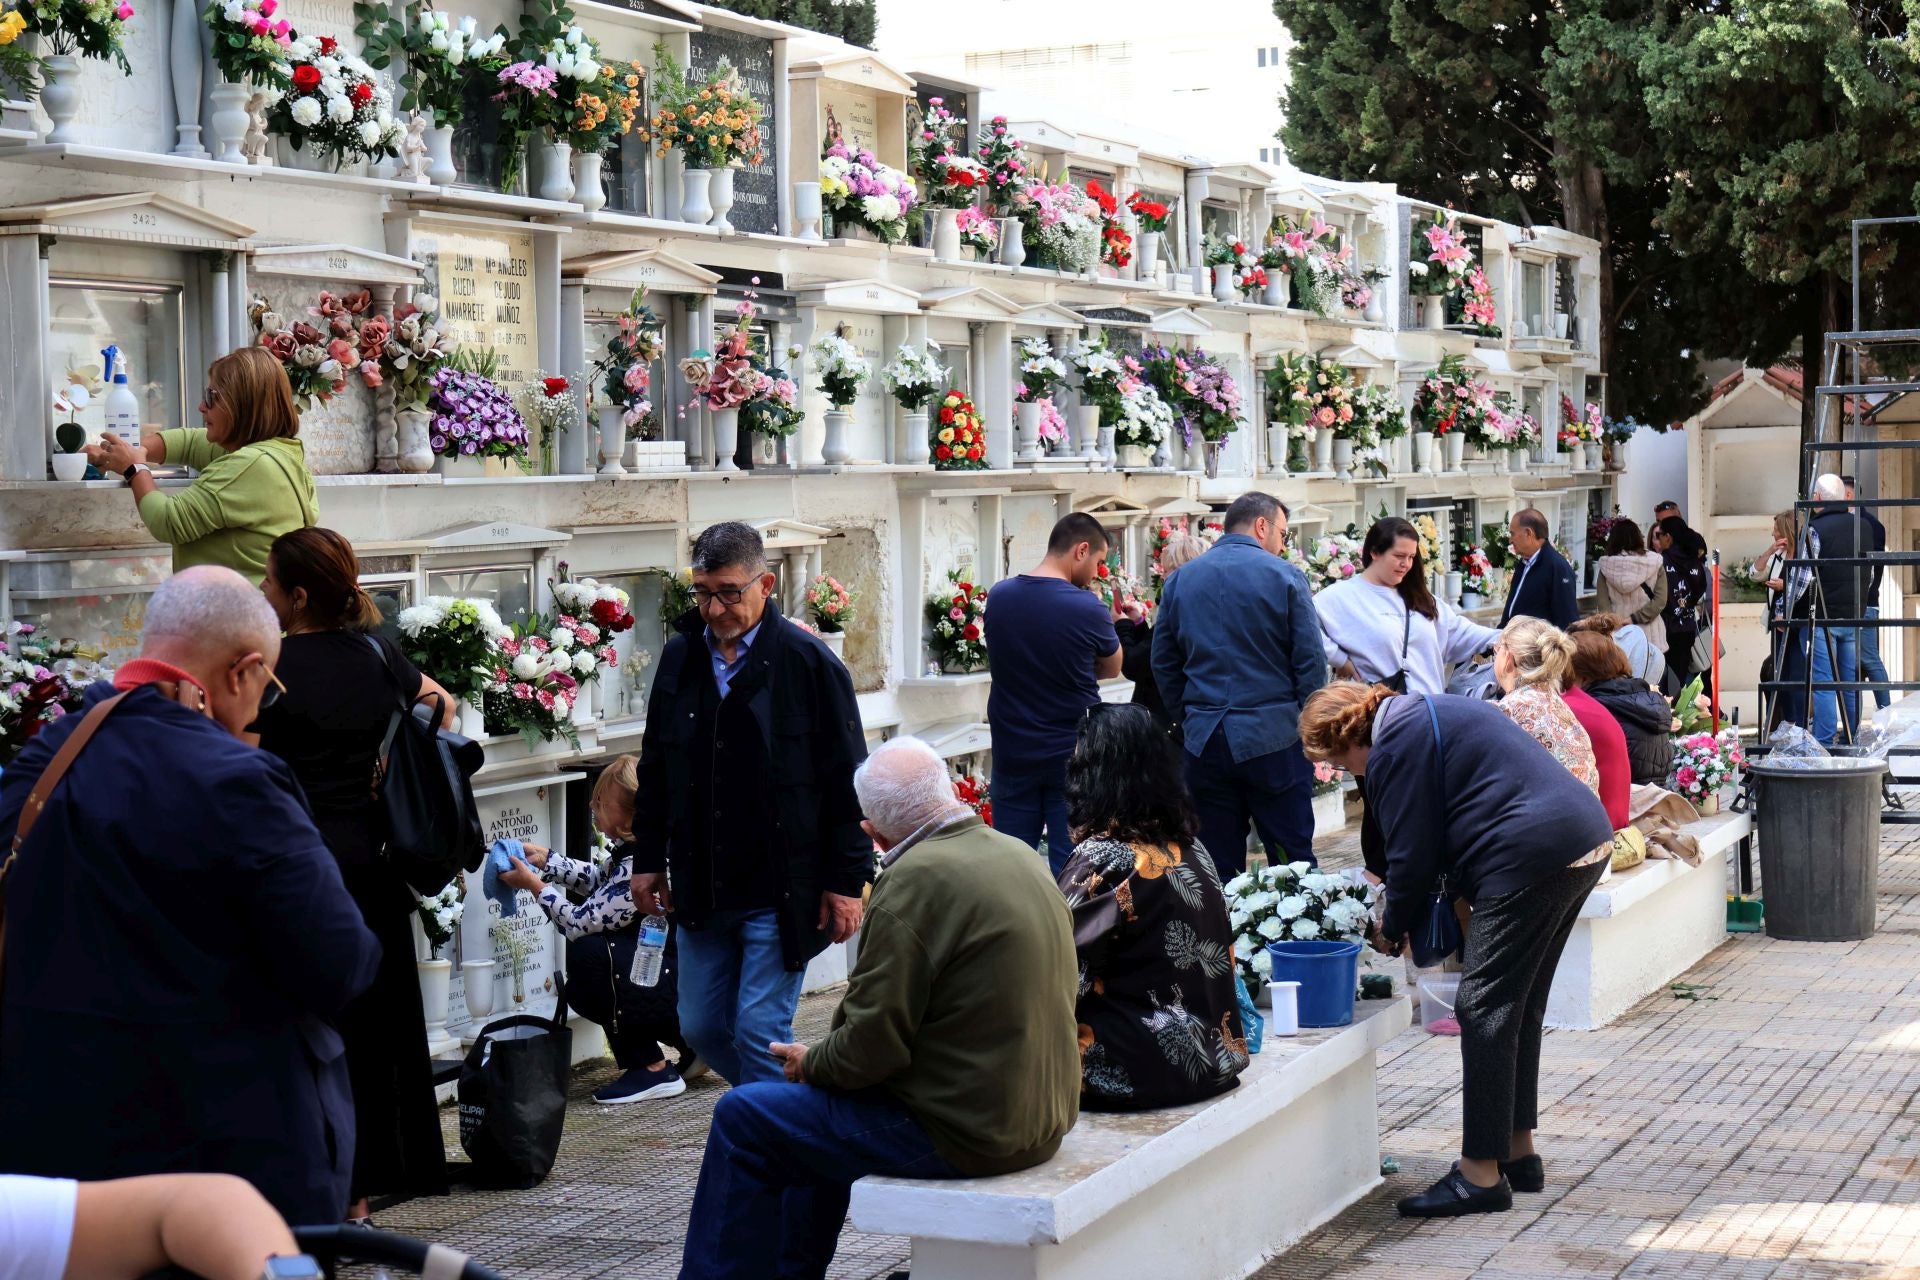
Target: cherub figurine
{"type": "Point", "coordinates": [413, 151]}
{"type": "Point", "coordinates": [254, 144]}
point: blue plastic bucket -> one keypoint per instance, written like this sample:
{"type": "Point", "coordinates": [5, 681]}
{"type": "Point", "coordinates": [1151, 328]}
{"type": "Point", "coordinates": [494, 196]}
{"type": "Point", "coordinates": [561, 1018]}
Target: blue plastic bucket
{"type": "Point", "coordinates": [1328, 974]}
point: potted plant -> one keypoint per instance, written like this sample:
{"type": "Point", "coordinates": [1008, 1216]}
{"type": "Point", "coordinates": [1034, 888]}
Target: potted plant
{"type": "Point", "coordinates": [69, 29]}
{"type": "Point", "coordinates": [831, 607]}
{"type": "Point", "coordinates": [842, 369]}
{"type": "Point", "coordinates": [1144, 423]}
{"type": "Point", "coordinates": [715, 126]}
{"type": "Point", "coordinates": [913, 378]}
{"type": "Point", "coordinates": [335, 113]}
{"type": "Point", "coordinates": [726, 380]}
{"type": "Point", "coordinates": [70, 438]}
{"type": "Point", "coordinates": [1290, 394]}
{"type": "Point", "coordinates": [604, 113]}
{"type": "Point", "coordinates": [1062, 223]}
{"type": "Point", "coordinates": [1100, 373]}
{"type": "Point", "coordinates": [1040, 372]}
{"type": "Point", "coordinates": [773, 414]}
{"type": "Point", "coordinates": [956, 627]}
{"type": "Point", "coordinates": [550, 404]}
{"type": "Point", "coordinates": [455, 642]}
{"type": "Point", "coordinates": [249, 49]}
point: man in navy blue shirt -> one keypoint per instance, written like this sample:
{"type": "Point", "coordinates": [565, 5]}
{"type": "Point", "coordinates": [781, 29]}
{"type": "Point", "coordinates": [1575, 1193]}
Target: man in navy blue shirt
{"type": "Point", "coordinates": [1051, 642]}
{"type": "Point", "coordinates": [1236, 653]}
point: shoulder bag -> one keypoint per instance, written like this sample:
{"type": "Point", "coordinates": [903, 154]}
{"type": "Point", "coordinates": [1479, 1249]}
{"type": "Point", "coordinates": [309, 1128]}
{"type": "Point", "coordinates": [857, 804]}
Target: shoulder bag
{"type": "Point", "coordinates": [1438, 937]}
{"type": "Point", "coordinates": [1398, 680]}
{"type": "Point", "coordinates": [422, 779]}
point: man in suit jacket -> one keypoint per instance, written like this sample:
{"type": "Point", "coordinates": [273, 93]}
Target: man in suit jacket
{"type": "Point", "coordinates": [1543, 584]}
{"type": "Point", "coordinates": [178, 936]}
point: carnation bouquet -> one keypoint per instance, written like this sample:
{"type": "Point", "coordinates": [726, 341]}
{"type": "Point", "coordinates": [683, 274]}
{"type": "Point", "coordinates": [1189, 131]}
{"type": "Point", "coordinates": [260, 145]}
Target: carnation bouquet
{"type": "Point", "coordinates": [1334, 558]}
{"type": "Point", "coordinates": [1062, 222]}
{"type": "Point", "coordinates": [626, 370]}
{"type": "Point", "coordinates": [1704, 765]}
{"type": "Point", "coordinates": [473, 417]}
{"type": "Point", "coordinates": [453, 641]}
{"type": "Point", "coordinates": [956, 622]}
{"type": "Point", "coordinates": [1040, 371]}
{"type": "Point", "coordinates": [607, 608]}
{"type": "Point", "coordinates": [975, 794]}
{"type": "Point", "coordinates": [979, 232]}
{"type": "Point", "coordinates": [1151, 214]}
{"type": "Point", "coordinates": [335, 104]}
{"type": "Point", "coordinates": [1116, 243]}
{"type": "Point", "coordinates": [1441, 397]}
{"type": "Point", "coordinates": [1476, 572]}
{"type": "Point", "coordinates": [249, 43]}
{"type": "Point", "coordinates": [941, 135]}
{"type": "Point", "coordinates": [959, 441]}
{"type": "Point", "coordinates": [841, 368]}
{"type": "Point", "coordinates": [1293, 902]}
{"type": "Point", "coordinates": [1145, 419]}
{"type": "Point", "coordinates": [913, 377]}
{"type": "Point", "coordinates": [859, 191]}
{"type": "Point", "coordinates": [533, 686]}
{"type": "Point", "coordinates": [41, 681]}
{"type": "Point", "coordinates": [829, 604]}
{"type": "Point", "coordinates": [529, 100]}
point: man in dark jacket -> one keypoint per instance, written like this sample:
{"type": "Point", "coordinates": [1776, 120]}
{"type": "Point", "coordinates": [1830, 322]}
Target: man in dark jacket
{"type": "Point", "coordinates": [1868, 642]}
{"type": "Point", "coordinates": [746, 826]}
{"type": "Point", "coordinates": [1839, 535]}
{"type": "Point", "coordinates": [177, 933]}
{"type": "Point", "coordinates": [1543, 584]}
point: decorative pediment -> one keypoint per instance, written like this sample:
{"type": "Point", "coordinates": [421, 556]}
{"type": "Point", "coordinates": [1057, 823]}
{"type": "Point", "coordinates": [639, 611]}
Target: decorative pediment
{"type": "Point", "coordinates": [1180, 507]}
{"type": "Point", "coordinates": [1183, 321]}
{"type": "Point", "coordinates": [1309, 513]}
{"type": "Point", "coordinates": [1296, 197]}
{"type": "Point", "coordinates": [498, 535]}
{"type": "Point", "coordinates": [1353, 357]}
{"type": "Point", "coordinates": [1499, 363]}
{"type": "Point", "coordinates": [1132, 317]}
{"type": "Point", "coordinates": [786, 535]}
{"type": "Point", "coordinates": [859, 295]}
{"type": "Point", "coordinates": [1040, 135]}
{"type": "Point", "coordinates": [664, 15]}
{"type": "Point", "coordinates": [143, 217]}
{"type": "Point", "coordinates": [1111, 510]}
{"type": "Point", "coordinates": [1252, 177]}
{"type": "Point", "coordinates": [336, 262]}
{"type": "Point", "coordinates": [958, 738]}
{"type": "Point", "coordinates": [851, 66]}
{"type": "Point", "coordinates": [1351, 201]}
{"type": "Point", "coordinates": [1123, 155]}
{"type": "Point", "coordinates": [627, 270]}
{"type": "Point", "coordinates": [971, 302]}
{"type": "Point", "coordinates": [1049, 315]}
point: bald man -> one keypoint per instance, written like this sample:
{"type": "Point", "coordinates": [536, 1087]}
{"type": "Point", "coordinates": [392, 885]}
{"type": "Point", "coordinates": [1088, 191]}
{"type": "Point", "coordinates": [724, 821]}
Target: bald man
{"type": "Point", "coordinates": [177, 934]}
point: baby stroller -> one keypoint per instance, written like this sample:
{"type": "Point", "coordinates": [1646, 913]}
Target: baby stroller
{"type": "Point", "coordinates": [336, 1244]}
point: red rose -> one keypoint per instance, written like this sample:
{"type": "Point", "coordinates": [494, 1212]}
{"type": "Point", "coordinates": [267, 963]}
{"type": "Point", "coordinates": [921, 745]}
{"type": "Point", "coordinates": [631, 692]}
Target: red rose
{"type": "Point", "coordinates": [281, 344]}
{"type": "Point", "coordinates": [605, 612]}
{"type": "Point", "coordinates": [946, 416]}
{"type": "Point", "coordinates": [306, 77]}
{"type": "Point", "coordinates": [328, 44]}
{"type": "Point", "coordinates": [554, 387]}
{"type": "Point", "coordinates": [966, 586]}
{"type": "Point", "coordinates": [974, 453]}
{"type": "Point", "coordinates": [972, 631]}
{"type": "Point", "coordinates": [943, 453]}
{"type": "Point", "coordinates": [362, 94]}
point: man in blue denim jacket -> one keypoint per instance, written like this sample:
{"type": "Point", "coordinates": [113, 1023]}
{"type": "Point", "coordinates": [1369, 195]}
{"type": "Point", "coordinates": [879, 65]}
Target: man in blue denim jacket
{"type": "Point", "coordinates": [1236, 652]}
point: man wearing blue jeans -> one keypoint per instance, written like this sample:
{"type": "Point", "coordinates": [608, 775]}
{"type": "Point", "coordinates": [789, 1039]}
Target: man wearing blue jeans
{"type": "Point", "coordinates": [1867, 639]}
{"type": "Point", "coordinates": [746, 828]}
{"type": "Point", "coordinates": [1053, 642]}
{"type": "Point", "coordinates": [1839, 537]}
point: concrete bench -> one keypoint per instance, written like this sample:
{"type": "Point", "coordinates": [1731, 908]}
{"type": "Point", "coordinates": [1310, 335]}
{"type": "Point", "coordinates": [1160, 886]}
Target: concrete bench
{"type": "Point", "coordinates": [1644, 928]}
{"type": "Point", "coordinates": [1203, 1192]}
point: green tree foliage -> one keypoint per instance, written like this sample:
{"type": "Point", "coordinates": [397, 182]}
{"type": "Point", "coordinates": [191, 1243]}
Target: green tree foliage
{"type": "Point", "coordinates": [851, 20]}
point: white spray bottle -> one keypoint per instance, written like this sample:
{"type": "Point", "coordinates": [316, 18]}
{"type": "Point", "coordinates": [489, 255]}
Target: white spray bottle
{"type": "Point", "coordinates": [122, 406]}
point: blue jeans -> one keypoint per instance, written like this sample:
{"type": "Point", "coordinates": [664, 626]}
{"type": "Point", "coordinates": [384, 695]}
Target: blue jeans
{"type": "Point", "coordinates": [1273, 791]}
{"type": "Point", "coordinates": [1030, 797]}
{"type": "Point", "coordinates": [1827, 702]}
{"type": "Point", "coordinates": [736, 995]}
{"type": "Point", "coordinates": [1871, 668]}
{"type": "Point", "coordinates": [781, 1161]}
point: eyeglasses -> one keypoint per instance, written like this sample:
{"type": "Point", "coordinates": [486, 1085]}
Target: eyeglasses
{"type": "Point", "coordinates": [270, 694]}
{"type": "Point", "coordinates": [725, 595]}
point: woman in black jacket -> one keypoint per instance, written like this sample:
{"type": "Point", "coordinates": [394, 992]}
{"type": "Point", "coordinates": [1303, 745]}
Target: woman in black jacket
{"type": "Point", "coordinates": [1601, 668]}
{"type": "Point", "coordinates": [1466, 794]}
{"type": "Point", "coordinates": [1685, 553]}
{"type": "Point", "coordinates": [1136, 633]}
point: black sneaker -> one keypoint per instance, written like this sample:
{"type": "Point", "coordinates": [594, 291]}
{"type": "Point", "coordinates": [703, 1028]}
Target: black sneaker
{"type": "Point", "coordinates": [639, 1085]}
{"type": "Point", "coordinates": [1453, 1197]}
{"type": "Point", "coordinates": [1525, 1174]}
{"type": "Point", "coordinates": [691, 1066]}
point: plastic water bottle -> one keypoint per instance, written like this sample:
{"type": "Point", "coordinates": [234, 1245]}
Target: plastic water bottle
{"type": "Point", "coordinates": [650, 957]}
{"type": "Point", "coordinates": [122, 406]}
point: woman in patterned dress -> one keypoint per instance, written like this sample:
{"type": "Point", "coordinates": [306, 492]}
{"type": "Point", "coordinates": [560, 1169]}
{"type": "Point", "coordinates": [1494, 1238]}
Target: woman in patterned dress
{"type": "Point", "coordinates": [1158, 1017]}
{"type": "Point", "coordinates": [1531, 660]}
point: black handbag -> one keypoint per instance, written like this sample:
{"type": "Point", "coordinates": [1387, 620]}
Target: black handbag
{"type": "Point", "coordinates": [1398, 680]}
{"type": "Point", "coordinates": [422, 778]}
{"type": "Point", "coordinates": [513, 1098]}
{"type": "Point", "coordinates": [1438, 937]}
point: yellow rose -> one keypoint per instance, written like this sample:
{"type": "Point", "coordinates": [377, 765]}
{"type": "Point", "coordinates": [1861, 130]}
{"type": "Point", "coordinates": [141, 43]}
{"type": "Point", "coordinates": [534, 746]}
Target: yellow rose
{"type": "Point", "coordinates": [946, 435]}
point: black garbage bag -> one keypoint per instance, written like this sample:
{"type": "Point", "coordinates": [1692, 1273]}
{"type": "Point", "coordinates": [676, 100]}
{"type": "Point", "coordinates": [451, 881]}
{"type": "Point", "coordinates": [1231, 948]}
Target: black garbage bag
{"type": "Point", "coordinates": [513, 1099]}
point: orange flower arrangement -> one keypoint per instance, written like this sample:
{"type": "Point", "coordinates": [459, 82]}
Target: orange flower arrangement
{"type": "Point", "coordinates": [715, 125]}
{"type": "Point", "coordinates": [959, 437]}
{"type": "Point", "coordinates": [607, 112]}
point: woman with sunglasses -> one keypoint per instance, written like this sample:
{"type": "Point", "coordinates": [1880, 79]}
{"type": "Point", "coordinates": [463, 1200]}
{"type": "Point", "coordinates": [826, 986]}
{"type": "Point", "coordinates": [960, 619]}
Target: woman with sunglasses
{"type": "Point", "coordinates": [342, 686]}
{"type": "Point", "coordinates": [253, 483]}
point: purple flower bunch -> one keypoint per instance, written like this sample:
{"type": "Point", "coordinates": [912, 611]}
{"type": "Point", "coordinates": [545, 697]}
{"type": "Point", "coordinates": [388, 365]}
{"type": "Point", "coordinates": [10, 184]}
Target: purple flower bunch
{"type": "Point", "coordinates": [473, 417]}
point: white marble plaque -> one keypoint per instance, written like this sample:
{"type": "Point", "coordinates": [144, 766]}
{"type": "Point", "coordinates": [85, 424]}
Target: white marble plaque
{"type": "Point", "coordinates": [524, 815]}
{"type": "Point", "coordinates": [871, 410]}
{"type": "Point", "coordinates": [853, 112]}
{"type": "Point", "coordinates": [133, 112]}
{"type": "Point", "coordinates": [952, 542]}
{"type": "Point", "coordinates": [484, 280]}
{"type": "Point", "coordinates": [338, 434]}
{"type": "Point", "coordinates": [1029, 521]}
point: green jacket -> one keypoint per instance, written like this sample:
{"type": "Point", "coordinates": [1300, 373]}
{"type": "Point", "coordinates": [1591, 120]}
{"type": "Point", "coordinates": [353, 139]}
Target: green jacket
{"type": "Point", "coordinates": [961, 1001]}
{"type": "Point", "coordinates": [238, 505]}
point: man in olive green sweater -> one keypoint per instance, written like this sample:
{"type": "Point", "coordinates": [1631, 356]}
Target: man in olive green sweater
{"type": "Point", "coordinates": [952, 1055]}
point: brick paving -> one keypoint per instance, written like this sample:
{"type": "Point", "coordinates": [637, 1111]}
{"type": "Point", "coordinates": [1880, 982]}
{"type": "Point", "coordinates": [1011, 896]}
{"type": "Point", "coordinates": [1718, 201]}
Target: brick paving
{"type": "Point", "coordinates": [1767, 1130]}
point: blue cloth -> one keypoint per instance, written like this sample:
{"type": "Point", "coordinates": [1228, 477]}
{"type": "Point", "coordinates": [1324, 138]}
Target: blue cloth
{"type": "Point", "coordinates": [174, 962]}
{"type": "Point", "coordinates": [500, 856]}
{"type": "Point", "coordinates": [737, 995]}
{"type": "Point", "coordinates": [1030, 798]}
{"type": "Point", "coordinates": [1237, 645]}
{"type": "Point", "coordinates": [724, 671]}
{"type": "Point", "coordinates": [1867, 643]}
{"type": "Point", "coordinates": [781, 1162]}
{"type": "Point", "coordinates": [1543, 588]}
{"type": "Point", "coordinates": [1273, 792]}
{"type": "Point", "coordinates": [1839, 664]}
{"type": "Point", "coordinates": [1046, 634]}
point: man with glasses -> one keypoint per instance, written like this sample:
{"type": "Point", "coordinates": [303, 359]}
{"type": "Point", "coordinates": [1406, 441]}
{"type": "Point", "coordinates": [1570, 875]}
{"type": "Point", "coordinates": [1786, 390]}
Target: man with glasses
{"type": "Point", "coordinates": [746, 827]}
{"type": "Point", "coordinates": [1236, 652]}
{"type": "Point", "coordinates": [178, 937]}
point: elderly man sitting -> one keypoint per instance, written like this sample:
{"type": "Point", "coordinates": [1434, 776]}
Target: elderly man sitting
{"type": "Point", "coordinates": [952, 1055]}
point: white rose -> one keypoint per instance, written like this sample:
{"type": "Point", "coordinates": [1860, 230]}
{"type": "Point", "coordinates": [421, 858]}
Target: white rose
{"type": "Point", "coordinates": [584, 662]}
{"type": "Point", "coordinates": [371, 133]}
{"type": "Point", "coordinates": [306, 112]}
{"type": "Point", "coordinates": [326, 65]}
{"type": "Point", "coordinates": [437, 41]}
{"type": "Point", "coordinates": [1305, 930]}
{"type": "Point", "coordinates": [1269, 928]}
{"type": "Point", "coordinates": [235, 11]}
{"type": "Point", "coordinates": [1238, 885]}
{"type": "Point", "coordinates": [456, 55]}
{"type": "Point", "coordinates": [588, 69]}
{"type": "Point", "coordinates": [1300, 868]}
{"type": "Point", "coordinates": [1262, 963]}
{"type": "Point", "coordinates": [1291, 906]}
{"type": "Point", "coordinates": [1235, 919]}
{"type": "Point", "coordinates": [467, 26]}
{"type": "Point", "coordinates": [527, 666]}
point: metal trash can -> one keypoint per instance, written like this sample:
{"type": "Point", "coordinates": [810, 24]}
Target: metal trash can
{"type": "Point", "coordinates": [1819, 832]}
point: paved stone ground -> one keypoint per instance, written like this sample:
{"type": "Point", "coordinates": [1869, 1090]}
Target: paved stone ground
{"type": "Point", "coordinates": [1767, 1130]}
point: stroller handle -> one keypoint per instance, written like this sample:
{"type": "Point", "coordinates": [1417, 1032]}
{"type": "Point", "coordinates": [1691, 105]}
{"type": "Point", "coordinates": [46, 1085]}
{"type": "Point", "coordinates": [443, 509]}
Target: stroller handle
{"type": "Point", "coordinates": [337, 1243]}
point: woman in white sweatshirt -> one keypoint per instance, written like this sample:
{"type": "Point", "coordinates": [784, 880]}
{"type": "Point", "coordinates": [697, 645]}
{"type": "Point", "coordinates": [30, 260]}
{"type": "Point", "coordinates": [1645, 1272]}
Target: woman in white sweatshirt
{"type": "Point", "coordinates": [1386, 627]}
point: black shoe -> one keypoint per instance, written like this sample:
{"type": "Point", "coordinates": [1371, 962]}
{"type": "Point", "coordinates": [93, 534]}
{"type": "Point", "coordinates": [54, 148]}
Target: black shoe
{"type": "Point", "coordinates": [1525, 1174]}
{"type": "Point", "coordinates": [639, 1085]}
{"type": "Point", "coordinates": [1453, 1197]}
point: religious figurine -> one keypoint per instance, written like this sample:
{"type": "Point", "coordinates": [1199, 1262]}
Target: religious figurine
{"type": "Point", "coordinates": [254, 144]}
{"type": "Point", "coordinates": [413, 151]}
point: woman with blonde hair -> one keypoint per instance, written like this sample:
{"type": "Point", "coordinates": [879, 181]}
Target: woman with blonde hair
{"type": "Point", "coordinates": [253, 484]}
{"type": "Point", "coordinates": [1136, 633]}
{"type": "Point", "coordinates": [1469, 807]}
{"type": "Point", "coordinates": [1533, 661]}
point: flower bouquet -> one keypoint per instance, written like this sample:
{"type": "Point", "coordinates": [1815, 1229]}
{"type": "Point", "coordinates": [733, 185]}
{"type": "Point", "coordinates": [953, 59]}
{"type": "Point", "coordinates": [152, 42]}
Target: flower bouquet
{"type": "Point", "coordinates": [913, 377]}
{"type": "Point", "coordinates": [249, 44]}
{"type": "Point", "coordinates": [1441, 396]}
{"type": "Point", "coordinates": [574, 59]}
{"type": "Point", "coordinates": [533, 686]}
{"type": "Point", "coordinates": [774, 411]}
{"type": "Point", "coordinates": [999, 155]}
{"type": "Point", "coordinates": [1333, 558]}
{"type": "Point", "coordinates": [732, 376]}
{"type": "Point", "coordinates": [1444, 265]}
{"type": "Point", "coordinates": [473, 417]}
{"type": "Point", "coordinates": [316, 363]}
{"type": "Point", "coordinates": [440, 917]}
{"type": "Point", "coordinates": [959, 440]}
{"type": "Point", "coordinates": [1706, 764]}
{"type": "Point", "coordinates": [336, 105]}
{"type": "Point", "coordinates": [1293, 902]}
{"type": "Point", "coordinates": [979, 232]}
{"type": "Point", "coordinates": [441, 55]}
{"type": "Point", "coordinates": [1476, 573]}
{"type": "Point", "coordinates": [1291, 389]}
{"type": "Point", "coordinates": [1152, 215]}
{"type": "Point", "coordinates": [859, 191]}
{"type": "Point", "coordinates": [1040, 371]}
{"type": "Point", "coordinates": [841, 368]}
{"type": "Point", "coordinates": [1100, 374]}
{"type": "Point", "coordinates": [1145, 419]}
{"type": "Point", "coordinates": [89, 28]}
{"type": "Point", "coordinates": [1476, 303]}
{"type": "Point", "coordinates": [551, 404]}
{"type": "Point", "coordinates": [976, 795]}
{"type": "Point", "coordinates": [1212, 402]}
{"type": "Point", "coordinates": [829, 604]}
{"type": "Point", "coordinates": [1062, 222]}
{"type": "Point", "coordinates": [415, 349]}
{"type": "Point", "coordinates": [529, 102]}
{"type": "Point", "coordinates": [1432, 556]}
{"type": "Point", "coordinates": [676, 596]}
{"type": "Point", "coordinates": [1326, 778]}
{"type": "Point", "coordinates": [1116, 243]}
{"type": "Point", "coordinates": [40, 682]}
{"type": "Point", "coordinates": [21, 69]}
{"type": "Point", "coordinates": [714, 124]}
{"type": "Point", "coordinates": [454, 641]}
{"type": "Point", "coordinates": [941, 134]}
{"type": "Point", "coordinates": [626, 370]}
{"type": "Point", "coordinates": [957, 626]}
{"type": "Point", "coordinates": [606, 111]}
{"type": "Point", "coordinates": [1252, 282]}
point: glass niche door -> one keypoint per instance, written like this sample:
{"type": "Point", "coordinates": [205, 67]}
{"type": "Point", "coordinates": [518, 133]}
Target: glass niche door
{"type": "Point", "coordinates": [509, 589]}
{"type": "Point", "coordinates": [144, 321]}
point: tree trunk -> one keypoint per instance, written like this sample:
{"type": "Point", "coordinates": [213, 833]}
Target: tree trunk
{"type": "Point", "coordinates": [1822, 310]}
{"type": "Point", "coordinates": [1583, 204]}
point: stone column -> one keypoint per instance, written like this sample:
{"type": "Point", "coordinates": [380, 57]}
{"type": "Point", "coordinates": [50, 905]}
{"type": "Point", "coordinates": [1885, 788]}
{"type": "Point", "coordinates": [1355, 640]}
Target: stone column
{"type": "Point", "coordinates": [995, 400]}
{"type": "Point", "coordinates": [572, 452]}
{"type": "Point", "coordinates": [184, 61]}
{"type": "Point", "coordinates": [386, 444]}
{"type": "Point", "coordinates": [221, 291]}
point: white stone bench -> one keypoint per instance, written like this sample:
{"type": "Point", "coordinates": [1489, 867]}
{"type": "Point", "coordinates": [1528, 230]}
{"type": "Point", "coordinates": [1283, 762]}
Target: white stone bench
{"type": "Point", "coordinates": [1203, 1192]}
{"type": "Point", "coordinates": [1644, 928]}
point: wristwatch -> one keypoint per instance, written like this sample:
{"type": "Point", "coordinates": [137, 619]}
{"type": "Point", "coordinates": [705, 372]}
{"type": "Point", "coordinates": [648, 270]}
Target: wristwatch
{"type": "Point", "coordinates": [138, 466]}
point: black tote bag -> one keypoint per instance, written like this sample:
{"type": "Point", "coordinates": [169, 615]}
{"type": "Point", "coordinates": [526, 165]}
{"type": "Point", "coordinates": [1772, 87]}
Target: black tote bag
{"type": "Point", "coordinates": [513, 1099]}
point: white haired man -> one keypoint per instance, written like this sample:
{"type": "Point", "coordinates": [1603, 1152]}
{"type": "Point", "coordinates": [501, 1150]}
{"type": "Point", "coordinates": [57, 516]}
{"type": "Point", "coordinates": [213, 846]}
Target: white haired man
{"type": "Point", "coordinates": [1836, 533]}
{"type": "Point", "coordinates": [177, 932]}
{"type": "Point", "coordinates": [953, 1054]}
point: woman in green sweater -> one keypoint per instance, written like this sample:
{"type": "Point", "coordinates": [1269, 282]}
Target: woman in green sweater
{"type": "Point", "coordinates": [253, 484]}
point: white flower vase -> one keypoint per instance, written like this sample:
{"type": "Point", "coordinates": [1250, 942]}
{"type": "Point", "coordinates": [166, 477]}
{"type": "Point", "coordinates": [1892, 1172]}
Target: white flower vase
{"type": "Point", "coordinates": [696, 196]}
{"type": "Point", "coordinates": [473, 720]}
{"type": "Point", "coordinates": [946, 235]}
{"type": "Point", "coordinates": [915, 448]}
{"type": "Point", "coordinates": [1274, 294]}
{"type": "Point", "coordinates": [69, 466]}
{"type": "Point", "coordinates": [1277, 448]}
{"type": "Point", "coordinates": [1400, 455]}
{"type": "Point", "coordinates": [1086, 423]}
{"type": "Point", "coordinates": [1620, 454]}
{"type": "Point", "coordinates": [1450, 585]}
{"type": "Point", "coordinates": [806, 210]}
{"type": "Point", "coordinates": [1223, 290]}
{"type": "Point", "coordinates": [1456, 447]}
{"type": "Point", "coordinates": [1147, 255]}
{"type": "Point", "coordinates": [1323, 450]}
{"type": "Point", "coordinates": [1562, 324]}
{"type": "Point", "coordinates": [1435, 305]}
{"type": "Point", "coordinates": [613, 440]}
{"type": "Point", "coordinates": [1013, 242]}
{"type": "Point", "coordinates": [1423, 453]}
{"type": "Point", "coordinates": [1027, 417]}
{"type": "Point", "coordinates": [589, 188]}
{"type": "Point", "coordinates": [581, 712]}
{"type": "Point", "coordinates": [1133, 457]}
{"type": "Point", "coordinates": [1592, 450]}
{"type": "Point", "coordinates": [476, 979]}
{"type": "Point", "coordinates": [440, 167]}
{"type": "Point", "coordinates": [228, 120]}
{"type": "Point", "coordinates": [836, 642]}
{"type": "Point", "coordinates": [1343, 459]}
{"type": "Point", "coordinates": [726, 439]}
{"type": "Point", "coordinates": [1107, 457]}
{"type": "Point", "coordinates": [833, 450]}
{"type": "Point", "coordinates": [436, 984]}
{"type": "Point", "coordinates": [1376, 311]}
{"type": "Point", "coordinates": [413, 443]}
{"type": "Point", "coordinates": [720, 193]}
{"type": "Point", "coordinates": [60, 96]}
{"type": "Point", "coordinates": [556, 169]}
{"type": "Point", "coordinates": [1470, 600]}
